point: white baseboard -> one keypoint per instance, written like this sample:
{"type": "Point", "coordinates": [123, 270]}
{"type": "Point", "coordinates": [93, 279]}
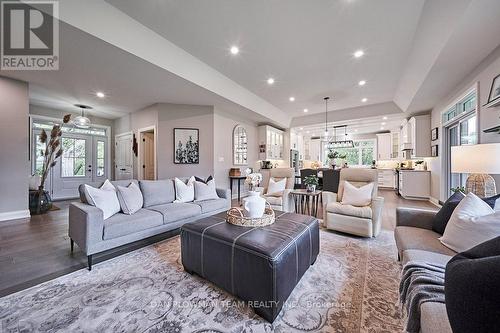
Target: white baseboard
{"type": "Point", "coordinates": [17, 214]}
{"type": "Point", "coordinates": [434, 201]}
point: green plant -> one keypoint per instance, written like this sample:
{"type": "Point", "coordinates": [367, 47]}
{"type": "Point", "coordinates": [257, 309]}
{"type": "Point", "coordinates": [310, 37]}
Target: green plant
{"type": "Point", "coordinates": [458, 189]}
{"type": "Point", "coordinates": [332, 154]}
{"type": "Point", "coordinates": [311, 180]}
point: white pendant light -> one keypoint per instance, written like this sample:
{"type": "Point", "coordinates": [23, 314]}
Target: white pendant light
{"type": "Point", "coordinates": [82, 121]}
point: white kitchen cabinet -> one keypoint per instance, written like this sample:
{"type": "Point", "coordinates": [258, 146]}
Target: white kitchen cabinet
{"type": "Point", "coordinates": [384, 146]}
{"type": "Point", "coordinates": [271, 144]}
{"type": "Point", "coordinates": [415, 135]}
{"type": "Point", "coordinates": [386, 178]}
{"type": "Point", "coordinates": [395, 148]}
{"type": "Point", "coordinates": [415, 184]}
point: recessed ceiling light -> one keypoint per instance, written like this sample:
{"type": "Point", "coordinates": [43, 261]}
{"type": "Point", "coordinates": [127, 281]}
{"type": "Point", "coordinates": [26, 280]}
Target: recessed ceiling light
{"type": "Point", "coordinates": [301, 128]}
{"type": "Point", "coordinates": [306, 110]}
{"type": "Point", "coordinates": [382, 128]}
{"type": "Point", "coordinates": [383, 124]}
{"type": "Point", "coordinates": [100, 94]}
{"type": "Point", "coordinates": [359, 54]}
{"type": "Point", "coordinates": [292, 99]}
{"type": "Point", "coordinates": [384, 118]}
{"type": "Point", "coordinates": [364, 100]}
{"type": "Point", "coordinates": [270, 81]}
{"type": "Point", "coordinates": [355, 130]}
{"type": "Point", "coordinates": [362, 82]}
{"type": "Point", "coordinates": [307, 132]}
{"type": "Point", "coordinates": [234, 50]}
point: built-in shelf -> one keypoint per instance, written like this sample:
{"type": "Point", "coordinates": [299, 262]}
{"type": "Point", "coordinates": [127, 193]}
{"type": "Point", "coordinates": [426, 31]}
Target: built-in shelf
{"type": "Point", "coordinates": [492, 104]}
{"type": "Point", "coordinates": [495, 129]}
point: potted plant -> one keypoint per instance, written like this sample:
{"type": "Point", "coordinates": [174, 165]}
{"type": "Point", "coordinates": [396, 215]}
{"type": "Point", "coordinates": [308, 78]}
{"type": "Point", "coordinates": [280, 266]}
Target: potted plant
{"type": "Point", "coordinates": [39, 200]}
{"type": "Point", "coordinates": [333, 155]}
{"type": "Point", "coordinates": [311, 182]}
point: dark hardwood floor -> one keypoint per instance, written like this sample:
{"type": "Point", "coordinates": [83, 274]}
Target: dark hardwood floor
{"type": "Point", "coordinates": [38, 249]}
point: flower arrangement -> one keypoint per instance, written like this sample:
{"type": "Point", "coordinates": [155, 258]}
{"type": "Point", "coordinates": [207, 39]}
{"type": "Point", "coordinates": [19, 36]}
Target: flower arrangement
{"type": "Point", "coordinates": [253, 180]}
{"type": "Point", "coordinates": [311, 182]}
{"type": "Point", "coordinates": [52, 152]}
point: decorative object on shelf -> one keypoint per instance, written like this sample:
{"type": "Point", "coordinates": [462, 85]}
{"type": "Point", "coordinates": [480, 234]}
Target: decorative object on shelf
{"type": "Point", "coordinates": [479, 161]}
{"type": "Point", "coordinates": [81, 121]}
{"type": "Point", "coordinates": [134, 145]}
{"type": "Point", "coordinates": [333, 155]}
{"type": "Point", "coordinates": [234, 172]}
{"type": "Point", "coordinates": [253, 180]}
{"type": "Point", "coordinates": [254, 205]}
{"type": "Point", "coordinates": [434, 150]}
{"type": "Point", "coordinates": [420, 165]}
{"type": "Point", "coordinates": [186, 146]}
{"type": "Point", "coordinates": [495, 90]}
{"type": "Point", "coordinates": [40, 201]}
{"type": "Point", "coordinates": [248, 171]}
{"type": "Point", "coordinates": [434, 134]}
{"type": "Point", "coordinates": [236, 216]}
{"type": "Point", "coordinates": [311, 183]}
{"type": "Point", "coordinates": [240, 145]}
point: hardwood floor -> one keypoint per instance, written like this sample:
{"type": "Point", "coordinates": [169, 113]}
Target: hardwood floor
{"type": "Point", "coordinates": [38, 249]}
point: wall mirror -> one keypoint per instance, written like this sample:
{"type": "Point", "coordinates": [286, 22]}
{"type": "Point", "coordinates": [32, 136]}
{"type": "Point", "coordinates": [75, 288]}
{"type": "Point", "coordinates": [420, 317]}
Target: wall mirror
{"type": "Point", "coordinates": [240, 145]}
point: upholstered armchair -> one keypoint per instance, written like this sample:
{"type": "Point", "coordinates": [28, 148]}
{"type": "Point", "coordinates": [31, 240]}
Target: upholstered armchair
{"type": "Point", "coordinates": [361, 221]}
{"type": "Point", "coordinates": [283, 200]}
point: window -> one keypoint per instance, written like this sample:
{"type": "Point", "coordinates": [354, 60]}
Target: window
{"type": "Point", "coordinates": [464, 106]}
{"type": "Point", "coordinates": [362, 154]}
{"type": "Point", "coordinates": [73, 157]}
{"type": "Point", "coordinates": [100, 159]}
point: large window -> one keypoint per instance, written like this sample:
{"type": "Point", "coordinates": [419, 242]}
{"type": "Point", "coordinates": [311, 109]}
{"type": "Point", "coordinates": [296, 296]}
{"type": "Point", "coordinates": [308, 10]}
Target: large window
{"type": "Point", "coordinates": [100, 158]}
{"type": "Point", "coordinates": [362, 154]}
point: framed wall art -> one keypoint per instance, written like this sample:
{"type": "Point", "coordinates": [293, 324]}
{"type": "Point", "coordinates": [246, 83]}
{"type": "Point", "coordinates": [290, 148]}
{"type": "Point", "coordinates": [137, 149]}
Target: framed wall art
{"type": "Point", "coordinates": [186, 146]}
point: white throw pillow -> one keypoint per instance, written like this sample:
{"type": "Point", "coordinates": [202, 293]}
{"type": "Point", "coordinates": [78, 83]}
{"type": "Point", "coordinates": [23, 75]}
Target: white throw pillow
{"type": "Point", "coordinates": [473, 222]}
{"type": "Point", "coordinates": [105, 200]}
{"type": "Point", "coordinates": [184, 192]}
{"type": "Point", "coordinates": [357, 196]}
{"type": "Point", "coordinates": [276, 187]}
{"type": "Point", "coordinates": [130, 198]}
{"type": "Point", "coordinates": [205, 191]}
{"type": "Point", "coordinates": [107, 186]}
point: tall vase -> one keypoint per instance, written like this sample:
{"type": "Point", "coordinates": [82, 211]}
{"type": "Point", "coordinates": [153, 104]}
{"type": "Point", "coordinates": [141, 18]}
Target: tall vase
{"type": "Point", "coordinates": [254, 205]}
{"type": "Point", "coordinates": [40, 201]}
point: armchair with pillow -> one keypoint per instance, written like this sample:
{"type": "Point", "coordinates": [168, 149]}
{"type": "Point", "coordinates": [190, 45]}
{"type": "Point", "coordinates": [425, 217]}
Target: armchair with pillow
{"type": "Point", "coordinates": [355, 209]}
{"type": "Point", "coordinates": [277, 185]}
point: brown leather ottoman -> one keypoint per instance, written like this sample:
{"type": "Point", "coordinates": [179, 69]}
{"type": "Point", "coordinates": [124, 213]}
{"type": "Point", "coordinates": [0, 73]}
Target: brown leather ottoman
{"type": "Point", "coordinates": [260, 265]}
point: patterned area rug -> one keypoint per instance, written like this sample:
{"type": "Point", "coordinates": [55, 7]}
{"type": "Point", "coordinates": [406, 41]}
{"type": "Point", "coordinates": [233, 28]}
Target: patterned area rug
{"type": "Point", "coordinates": [352, 287]}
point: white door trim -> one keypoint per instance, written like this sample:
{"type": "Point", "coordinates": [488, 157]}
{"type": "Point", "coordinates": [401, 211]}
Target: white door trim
{"type": "Point", "coordinates": [140, 156]}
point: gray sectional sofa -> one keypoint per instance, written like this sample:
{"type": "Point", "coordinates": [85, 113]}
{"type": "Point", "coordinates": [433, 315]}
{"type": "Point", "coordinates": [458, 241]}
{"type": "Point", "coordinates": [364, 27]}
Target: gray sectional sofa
{"type": "Point", "coordinates": [159, 214]}
{"type": "Point", "coordinates": [416, 240]}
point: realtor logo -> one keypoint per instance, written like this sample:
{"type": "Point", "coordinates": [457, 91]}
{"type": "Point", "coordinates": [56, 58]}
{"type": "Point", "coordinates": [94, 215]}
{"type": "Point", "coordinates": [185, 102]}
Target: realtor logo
{"type": "Point", "coordinates": [29, 35]}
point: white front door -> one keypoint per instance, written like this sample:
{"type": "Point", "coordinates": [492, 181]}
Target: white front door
{"type": "Point", "coordinates": [83, 162]}
{"type": "Point", "coordinates": [123, 157]}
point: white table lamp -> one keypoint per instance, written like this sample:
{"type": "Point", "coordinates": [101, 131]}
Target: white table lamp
{"type": "Point", "coordinates": [479, 161]}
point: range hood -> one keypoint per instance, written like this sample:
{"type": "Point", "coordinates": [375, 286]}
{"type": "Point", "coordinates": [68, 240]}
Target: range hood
{"type": "Point", "coordinates": [406, 146]}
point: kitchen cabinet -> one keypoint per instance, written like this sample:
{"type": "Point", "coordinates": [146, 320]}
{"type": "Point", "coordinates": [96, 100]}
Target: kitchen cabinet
{"type": "Point", "coordinates": [415, 135]}
{"type": "Point", "coordinates": [384, 146]}
{"type": "Point", "coordinates": [386, 178]}
{"type": "Point", "coordinates": [271, 145]}
{"type": "Point", "coordinates": [395, 149]}
{"type": "Point", "coordinates": [415, 184]}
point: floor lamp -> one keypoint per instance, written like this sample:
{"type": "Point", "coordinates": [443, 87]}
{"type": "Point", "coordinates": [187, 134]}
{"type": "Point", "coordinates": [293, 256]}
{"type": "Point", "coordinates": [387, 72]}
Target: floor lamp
{"type": "Point", "coordinates": [479, 161]}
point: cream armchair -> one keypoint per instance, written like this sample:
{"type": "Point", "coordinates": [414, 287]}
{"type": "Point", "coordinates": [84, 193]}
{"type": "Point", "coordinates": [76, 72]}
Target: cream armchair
{"type": "Point", "coordinates": [361, 221]}
{"type": "Point", "coordinates": [280, 201]}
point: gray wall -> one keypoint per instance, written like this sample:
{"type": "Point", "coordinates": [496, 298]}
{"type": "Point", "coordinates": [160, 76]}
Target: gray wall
{"type": "Point", "coordinates": [488, 117]}
{"type": "Point", "coordinates": [14, 106]}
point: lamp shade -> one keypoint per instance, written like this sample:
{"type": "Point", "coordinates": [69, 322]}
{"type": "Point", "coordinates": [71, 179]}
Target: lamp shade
{"type": "Point", "coordinates": [482, 159]}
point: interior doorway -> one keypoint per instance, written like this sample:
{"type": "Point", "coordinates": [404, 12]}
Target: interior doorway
{"type": "Point", "coordinates": [147, 154]}
{"type": "Point", "coordinates": [124, 168]}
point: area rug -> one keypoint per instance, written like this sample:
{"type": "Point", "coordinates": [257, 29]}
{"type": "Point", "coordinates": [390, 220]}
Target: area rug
{"type": "Point", "coordinates": [352, 287]}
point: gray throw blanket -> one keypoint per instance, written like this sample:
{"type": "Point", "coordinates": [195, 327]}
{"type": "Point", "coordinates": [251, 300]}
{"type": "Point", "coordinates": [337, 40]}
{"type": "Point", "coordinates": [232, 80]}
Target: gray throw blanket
{"type": "Point", "coordinates": [420, 282]}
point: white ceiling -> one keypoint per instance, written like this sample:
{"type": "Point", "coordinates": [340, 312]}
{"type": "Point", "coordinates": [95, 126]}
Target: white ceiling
{"type": "Point", "coordinates": [306, 46]}
{"type": "Point", "coordinates": [150, 51]}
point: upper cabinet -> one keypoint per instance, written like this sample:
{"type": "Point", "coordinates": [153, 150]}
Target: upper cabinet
{"type": "Point", "coordinates": [388, 146]}
{"type": "Point", "coordinates": [415, 135]}
{"type": "Point", "coordinates": [271, 146]}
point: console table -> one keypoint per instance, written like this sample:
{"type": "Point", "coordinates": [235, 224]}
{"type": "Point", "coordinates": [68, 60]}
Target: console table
{"type": "Point", "coordinates": [238, 179]}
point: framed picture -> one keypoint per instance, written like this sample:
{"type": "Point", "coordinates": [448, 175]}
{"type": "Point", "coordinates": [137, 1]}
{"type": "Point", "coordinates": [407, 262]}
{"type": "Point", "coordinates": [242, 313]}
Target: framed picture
{"type": "Point", "coordinates": [434, 134]}
{"type": "Point", "coordinates": [434, 151]}
{"type": "Point", "coordinates": [495, 89]}
{"type": "Point", "coordinates": [186, 146]}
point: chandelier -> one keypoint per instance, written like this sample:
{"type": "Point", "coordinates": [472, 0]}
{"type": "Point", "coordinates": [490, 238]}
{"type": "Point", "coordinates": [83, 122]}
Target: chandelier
{"type": "Point", "coordinates": [337, 140]}
{"type": "Point", "coordinates": [82, 121]}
